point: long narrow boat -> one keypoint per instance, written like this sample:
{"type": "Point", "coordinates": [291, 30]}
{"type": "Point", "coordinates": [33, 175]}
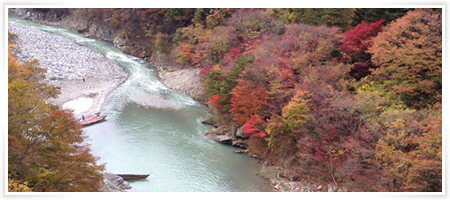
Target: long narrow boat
{"type": "Point", "coordinates": [92, 119]}
{"type": "Point", "coordinates": [133, 176]}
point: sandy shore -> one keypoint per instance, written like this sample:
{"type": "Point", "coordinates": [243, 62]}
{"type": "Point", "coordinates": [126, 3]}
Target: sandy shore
{"type": "Point", "coordinates": [67, 64]}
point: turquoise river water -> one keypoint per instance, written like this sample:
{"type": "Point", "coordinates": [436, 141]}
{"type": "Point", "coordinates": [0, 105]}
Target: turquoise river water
{"type": "Point", "coordinates": [152, 129]}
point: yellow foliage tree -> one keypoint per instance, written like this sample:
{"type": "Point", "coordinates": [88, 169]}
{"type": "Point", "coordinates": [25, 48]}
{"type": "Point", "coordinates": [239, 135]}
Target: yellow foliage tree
{"type": "Point", "coordinates": [17, 186]}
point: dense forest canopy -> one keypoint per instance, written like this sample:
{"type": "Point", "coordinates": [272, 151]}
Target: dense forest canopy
{"type": "Point", "coordinates": [351, 95]}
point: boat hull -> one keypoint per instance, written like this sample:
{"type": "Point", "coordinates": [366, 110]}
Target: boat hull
{"type": "Point", "coordinates": [133, 176]}
{"type": "Point", "coordinates": [92, 120]}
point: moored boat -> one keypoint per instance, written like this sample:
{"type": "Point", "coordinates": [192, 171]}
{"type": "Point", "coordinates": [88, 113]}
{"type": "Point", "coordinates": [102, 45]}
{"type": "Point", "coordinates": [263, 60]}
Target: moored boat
{"type": "Point", "coordinates": [92, 119]}
{"type": "Point", "coordinates": [133, 176]}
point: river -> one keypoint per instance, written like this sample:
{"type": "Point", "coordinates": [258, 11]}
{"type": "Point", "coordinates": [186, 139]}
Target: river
{"type": "Point", "coordinates": [151, 129]}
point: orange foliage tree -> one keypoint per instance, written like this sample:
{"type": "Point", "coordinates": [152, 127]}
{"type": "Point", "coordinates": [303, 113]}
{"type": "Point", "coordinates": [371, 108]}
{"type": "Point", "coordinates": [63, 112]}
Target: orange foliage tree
{"type": "Point", "coordinates": [409, 55]}
{"type": "Point", "coordinates": [248, 99]}
{"type": "Point", "coordinates": [45, 145]}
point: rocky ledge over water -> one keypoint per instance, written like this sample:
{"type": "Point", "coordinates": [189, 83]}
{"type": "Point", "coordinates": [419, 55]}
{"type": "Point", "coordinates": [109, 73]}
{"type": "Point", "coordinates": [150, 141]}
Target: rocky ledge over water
{"type": "Point", "coordinates": [185, 80]}
{"type": "Point", "coordinates": [76, 70]}
{"type": "Point", "coordinates": [114, 183]}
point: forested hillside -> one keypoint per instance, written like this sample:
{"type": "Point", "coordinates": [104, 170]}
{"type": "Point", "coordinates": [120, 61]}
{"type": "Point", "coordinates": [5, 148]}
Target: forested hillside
{"type": "Point", "coordinates": [360, 108]}
{"type": "Point", "coordinates": [345, 96]}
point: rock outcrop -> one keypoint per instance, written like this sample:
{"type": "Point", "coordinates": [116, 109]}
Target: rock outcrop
{"type": "Point", "coordinates": [114, 183]}
{"type": "Point", "coordinates": [78, 23]}
{"type": "Point", "coordinates": [120, 41]}
{"type": "Point", "coordinates": [219, 137]}
{"type": "Point", "coordinates": [186, 81]}
{"type": "Point", "coordinates": [240, 133]}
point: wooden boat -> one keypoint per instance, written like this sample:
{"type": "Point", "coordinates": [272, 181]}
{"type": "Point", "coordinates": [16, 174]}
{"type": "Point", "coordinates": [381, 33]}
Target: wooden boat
{"type": "Point", "coordinates": [92, 119]}
{"type": "Point", "coordinates": [133, 176]}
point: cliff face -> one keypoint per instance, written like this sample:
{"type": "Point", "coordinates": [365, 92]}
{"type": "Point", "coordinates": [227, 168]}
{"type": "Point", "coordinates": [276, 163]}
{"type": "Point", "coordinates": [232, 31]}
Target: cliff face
{"type": "Point", "coordinates": [73, 20]}
{"type": "Point", "coordinates": [38, 14]}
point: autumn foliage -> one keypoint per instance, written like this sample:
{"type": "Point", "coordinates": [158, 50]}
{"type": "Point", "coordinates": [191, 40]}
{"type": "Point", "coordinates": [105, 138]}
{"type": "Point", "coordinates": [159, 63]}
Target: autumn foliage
{"type": "Point", "coordinates": [45, 145]}
{"type": "Point", "coordinates": [364, 122]}
{"type": "Point", "coordinates": [346, 96]}
{"type": "Point", "coordinates": [358, 40]}
{"type": "Point", "coordinates": [409, 53]}
{"type": "Point", "coordinates": [248, 99]}
{"type": "Point", "coordinates": [255, 126]}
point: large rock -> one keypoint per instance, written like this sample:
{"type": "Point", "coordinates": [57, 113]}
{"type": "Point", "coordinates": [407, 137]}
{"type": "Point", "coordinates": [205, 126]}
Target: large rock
{"type": "Point", "coordinates": [77, 23]}
{"type": "Point", "coordinates": [25, 13]}
{"type": "Point", "coordinates": [101, 32]}
{"type": "Point", "coordinates": [120, 41]}
{"type": "Point", "coordinates": [240, 143]}
{"type": "Point", "coordinates": [223, 139]}
{"type": "Point", "coordinates": [115, 183]}
{"type": "Point", "coordinates": [21, 11]}
{"type": "Point", "coordinates": [209, 122]}
{"type": "Point", "coordinates": [186, 81]}
{"type": "Point", "coordinates": [240, 133]}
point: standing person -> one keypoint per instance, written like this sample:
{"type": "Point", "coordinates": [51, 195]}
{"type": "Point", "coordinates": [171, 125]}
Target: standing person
{"type": "Point", "coordinates": [84, 80]}
{"type": "Point", "coordinates": [82, 117]}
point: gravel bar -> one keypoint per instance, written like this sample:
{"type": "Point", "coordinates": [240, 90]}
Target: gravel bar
{"type": "Point", "coordinates": [75, 69]}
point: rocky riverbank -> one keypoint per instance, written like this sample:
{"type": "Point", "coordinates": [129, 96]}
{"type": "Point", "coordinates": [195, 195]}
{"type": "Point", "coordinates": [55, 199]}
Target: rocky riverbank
{"type": "Point", "coordinates": [114, 183]}
{"type": "Point", "coordinates": [182, 79]}
{"type": "Point", "coordinates": [186, 81]}
{"type": "Point", "coordinates": [76, 70]}
{"type": "Point", "coordinates": [282, 180]}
